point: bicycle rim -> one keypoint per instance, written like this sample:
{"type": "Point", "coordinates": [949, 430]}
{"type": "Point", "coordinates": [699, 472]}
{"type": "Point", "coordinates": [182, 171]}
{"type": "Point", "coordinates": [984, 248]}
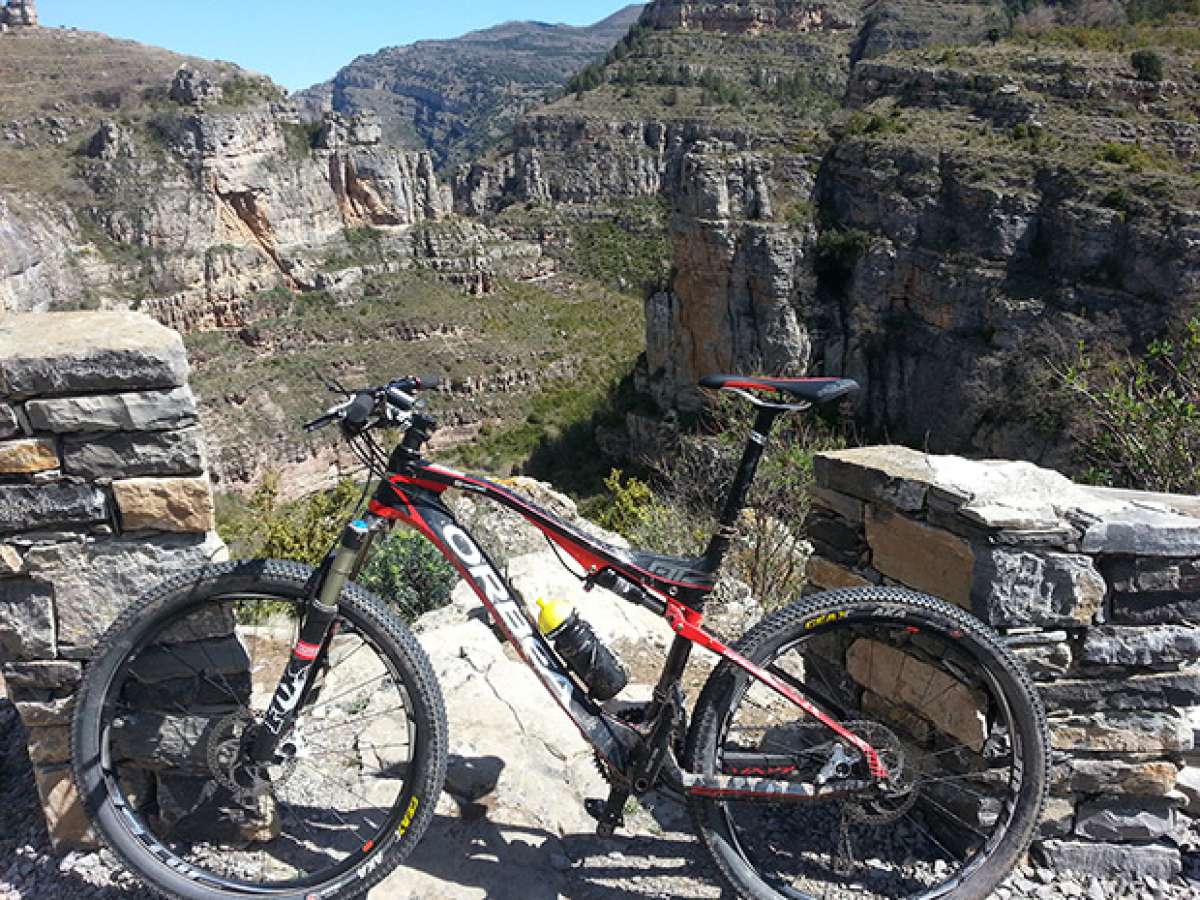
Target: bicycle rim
{"type": "Point", "coordinates": [185, 699]}
{"type": "Point", "coordinates": [947, 730]}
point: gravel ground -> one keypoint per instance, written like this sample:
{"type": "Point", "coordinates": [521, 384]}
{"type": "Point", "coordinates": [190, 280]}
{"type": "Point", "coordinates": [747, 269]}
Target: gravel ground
{"type": "Point", "coordinates": [30, 871]}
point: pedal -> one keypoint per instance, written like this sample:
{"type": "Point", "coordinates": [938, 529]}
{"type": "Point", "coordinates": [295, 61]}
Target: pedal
{"type": "Point", "coordinates": [609, 814]}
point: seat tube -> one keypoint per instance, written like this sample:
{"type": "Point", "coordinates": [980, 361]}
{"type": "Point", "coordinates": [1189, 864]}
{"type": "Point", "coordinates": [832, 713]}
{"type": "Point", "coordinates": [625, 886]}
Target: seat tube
{"type": "Point", "coordinates": [735, 502]}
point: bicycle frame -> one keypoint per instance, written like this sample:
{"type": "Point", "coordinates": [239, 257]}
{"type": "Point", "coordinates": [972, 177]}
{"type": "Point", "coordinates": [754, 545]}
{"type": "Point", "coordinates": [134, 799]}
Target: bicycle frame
{"type": "Point", "coordinates": [675, 589]}
{"type": "Point", "coordinates": [414, 499]}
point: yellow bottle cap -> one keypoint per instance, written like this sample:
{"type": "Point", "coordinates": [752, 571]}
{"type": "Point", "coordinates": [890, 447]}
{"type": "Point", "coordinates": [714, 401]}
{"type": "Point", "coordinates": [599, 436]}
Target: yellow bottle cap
{"type": "Point", "coordinates": [553, 614]}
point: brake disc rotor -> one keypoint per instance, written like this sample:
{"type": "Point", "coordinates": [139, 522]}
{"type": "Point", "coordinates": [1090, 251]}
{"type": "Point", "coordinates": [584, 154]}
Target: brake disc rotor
{"type": "Point", "coordinates": [224, 754]}
{"type": "Point", "coordinates": [901, 778]}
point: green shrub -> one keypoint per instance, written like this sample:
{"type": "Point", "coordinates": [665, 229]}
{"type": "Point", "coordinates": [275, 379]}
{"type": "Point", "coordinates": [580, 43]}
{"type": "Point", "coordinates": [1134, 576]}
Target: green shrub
{"type": "Point", "coordinates": [405, 569]}
{"type": "Point", "coordinates": [303, 530]}
{"type": "Point", "coordinates": [1133, 156]}
{"type": "Point", "coordinates": [1148, 65]}
{"type": "Point", "coordinates": [409, 573]}
{"type": "Point", "coordinates": [300, 139]}
{"type": "Point", "coordinates": [839, 250]}
{"type": "Point", "coordinates": [1140, 418]}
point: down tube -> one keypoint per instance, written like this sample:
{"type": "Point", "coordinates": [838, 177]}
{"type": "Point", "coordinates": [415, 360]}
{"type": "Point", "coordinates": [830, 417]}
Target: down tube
{"type": "Point", "coordinates": [479, 570]}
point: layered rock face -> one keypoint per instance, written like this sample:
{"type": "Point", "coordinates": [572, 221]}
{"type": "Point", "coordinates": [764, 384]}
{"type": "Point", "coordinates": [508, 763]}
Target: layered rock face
{"type": "Point", "coordinates": [971, 217]}
{"type": "Point", "coordinates": [205, 192]}
{"type": "Point", "coordinates": [242, 207]}
{"type": "Point", "coordinates": [987, 253]}
{"type": "Point", "coordinates": [1096, 591]}
{"type": "Point", "coordinates": [35, 266]}
{"type": "Point", "coordinates": [742, 278]}
{"type": "Point", "coordinates": [752, 16]}
{"type": "Point", "coordinates": [105, 493]}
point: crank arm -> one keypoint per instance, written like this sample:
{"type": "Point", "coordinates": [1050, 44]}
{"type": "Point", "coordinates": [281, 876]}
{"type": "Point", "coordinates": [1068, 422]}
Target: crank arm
{"type": "Point", "coordinates": [738, 787]}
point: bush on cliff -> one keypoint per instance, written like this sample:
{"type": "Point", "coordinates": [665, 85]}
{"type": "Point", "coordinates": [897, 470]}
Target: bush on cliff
{"type": "Point", "coordinates": [1140, 426]}
{"type": "Point", "coordinates": [1148, 65]}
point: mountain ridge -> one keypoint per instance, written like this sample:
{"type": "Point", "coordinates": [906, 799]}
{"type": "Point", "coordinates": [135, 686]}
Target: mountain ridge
{"type": "Point", "coordinates": [455, 97]}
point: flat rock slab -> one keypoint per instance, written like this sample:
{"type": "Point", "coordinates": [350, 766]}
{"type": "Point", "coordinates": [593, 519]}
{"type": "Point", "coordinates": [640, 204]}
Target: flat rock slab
{"type": "Point", "coordinates": [46, 354]}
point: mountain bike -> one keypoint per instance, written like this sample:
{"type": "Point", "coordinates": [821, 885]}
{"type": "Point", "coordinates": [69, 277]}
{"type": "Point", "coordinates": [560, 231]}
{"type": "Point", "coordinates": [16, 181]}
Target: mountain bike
{"type": "Point", "coordinates": [267, 729]}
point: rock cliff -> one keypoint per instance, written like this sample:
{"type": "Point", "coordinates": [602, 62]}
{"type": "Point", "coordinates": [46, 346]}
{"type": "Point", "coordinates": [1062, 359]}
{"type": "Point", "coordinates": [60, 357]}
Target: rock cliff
{"type": "Point", "coordinates": [937, 223]}
{"type": "Point", "coordinates": [189, 194]}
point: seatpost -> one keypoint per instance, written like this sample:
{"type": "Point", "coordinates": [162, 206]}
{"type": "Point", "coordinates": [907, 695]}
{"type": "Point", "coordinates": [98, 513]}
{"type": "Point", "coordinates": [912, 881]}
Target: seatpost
{"type": "Point", "coordinates": [736, 501]}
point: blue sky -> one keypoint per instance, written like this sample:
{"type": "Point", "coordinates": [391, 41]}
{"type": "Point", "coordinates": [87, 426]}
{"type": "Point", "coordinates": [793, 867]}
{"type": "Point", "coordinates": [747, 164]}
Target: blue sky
{"type": "Point", "coordinates": [301, 42]}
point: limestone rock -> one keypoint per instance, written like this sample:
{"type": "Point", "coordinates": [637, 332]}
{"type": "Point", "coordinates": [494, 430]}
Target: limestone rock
{"type": "Point", "coordinates": [894, 476]}
{"type": "Point", "coordinates": [1126, 819]}
{"type": "Point", "coordinates": [95, 580]}
{"type": "Point", "coordinates": [924, 558]}
{"type": "Point", "coordinates": [26, 619]}
{"type": "Point", "coordinates": [1166, 691]}
{"type": "Point", "coordinates": [50, 745]}
{"type": "Point", "coordinates": [81, 352]}
{"type": "Point", "coordinates": [65, 817]}
{"type": "Point", "coordinates": [42, 713]}
{"type": "Point", "coordinates": [27, 457]}
{"type": "Point", "coordinates": [1046, 661]}
{"type": "Point", "coordinates": [182, 505]}
{"type": "Point", "coordinates": [1122, 732]}
{"type": "Point", "coordinates": [135, 411]}
{"type": "Point", "coordinates": [828, 575]}
{"type": "Point", "coordinates": [105, 144]}
{"type": "Point", "coordinates": [1085, 857]}
{"type": "Point", "coordinates": [125, 454]}
{"type": "Point", "coordinates": [1160, 645]}
{"type": "Point", "coordinates": [9, 426]}
{"type": "Point", "coordinates": [60, 504]}
{"type": "Point", "coordinates": [44, 674]}
{"type": "Point", "coordinates": [192, 88]}
{"type": "Point", "coordinates": [940, 699]}
{"type": "Point", "coordinates": [1013, 588]}
{"type": "Point", "coordinates": [1144, 532]}
{"type": "Point", "coordinates": [1057, 818]}
{"type": "Point", "coordinates": [10, 561]}
{"type": "Point", "coordinates": [1084, 775]}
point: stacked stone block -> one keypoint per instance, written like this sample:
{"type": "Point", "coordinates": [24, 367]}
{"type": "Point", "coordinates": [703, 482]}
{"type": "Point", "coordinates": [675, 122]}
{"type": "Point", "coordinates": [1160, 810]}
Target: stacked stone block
{"type": "Point", "coordinates": [1097, 591]}
{"type": "Point", "coordinates": [103, 493]}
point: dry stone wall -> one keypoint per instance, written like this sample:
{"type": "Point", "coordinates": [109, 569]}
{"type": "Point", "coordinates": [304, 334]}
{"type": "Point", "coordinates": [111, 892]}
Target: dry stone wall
{"type": "Point", "coordinates": [103, 492]}
{"type": "Point", "coordinates": [1097, 591]}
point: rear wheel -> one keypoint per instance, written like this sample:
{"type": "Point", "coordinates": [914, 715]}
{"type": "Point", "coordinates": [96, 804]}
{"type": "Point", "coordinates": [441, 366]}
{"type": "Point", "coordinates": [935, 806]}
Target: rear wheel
{"type": "Point", "coordinates": [179, 686]}
{"type": "Point", "coordinates": [949, 709]}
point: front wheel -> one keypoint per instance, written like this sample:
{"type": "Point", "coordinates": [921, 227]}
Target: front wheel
{"type": "Point", "coordinates": [952, 714]}
{"type": "Point", "coordinates": [173, 699]}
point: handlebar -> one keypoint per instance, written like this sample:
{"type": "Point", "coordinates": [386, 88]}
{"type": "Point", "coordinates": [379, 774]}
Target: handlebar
{"type": "Point", "coordinates": [390, 402]}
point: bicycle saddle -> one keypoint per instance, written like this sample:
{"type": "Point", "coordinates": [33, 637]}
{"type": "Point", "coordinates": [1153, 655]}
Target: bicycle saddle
{"type": "Point", "coordinates": [808, 390]}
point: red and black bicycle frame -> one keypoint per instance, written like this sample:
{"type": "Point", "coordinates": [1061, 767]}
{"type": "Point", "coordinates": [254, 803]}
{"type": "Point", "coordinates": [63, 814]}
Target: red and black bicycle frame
{"type": "Point", "coordinates": [676, 589]}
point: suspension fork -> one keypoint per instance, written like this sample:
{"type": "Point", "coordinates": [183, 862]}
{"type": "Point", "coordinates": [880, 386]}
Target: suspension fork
{"type": "Point", "coordinates": [321, 610]}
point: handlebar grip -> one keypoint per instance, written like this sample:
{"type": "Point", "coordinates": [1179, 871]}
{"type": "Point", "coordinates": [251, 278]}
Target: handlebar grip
{"type": "Point", "coordinates": [427, 383]}
{"type": "Point", "coordinates": [360, 411]}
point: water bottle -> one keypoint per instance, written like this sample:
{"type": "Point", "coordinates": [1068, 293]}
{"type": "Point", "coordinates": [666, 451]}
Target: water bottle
{"type": "Point", "coordinates": [575, 641]}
